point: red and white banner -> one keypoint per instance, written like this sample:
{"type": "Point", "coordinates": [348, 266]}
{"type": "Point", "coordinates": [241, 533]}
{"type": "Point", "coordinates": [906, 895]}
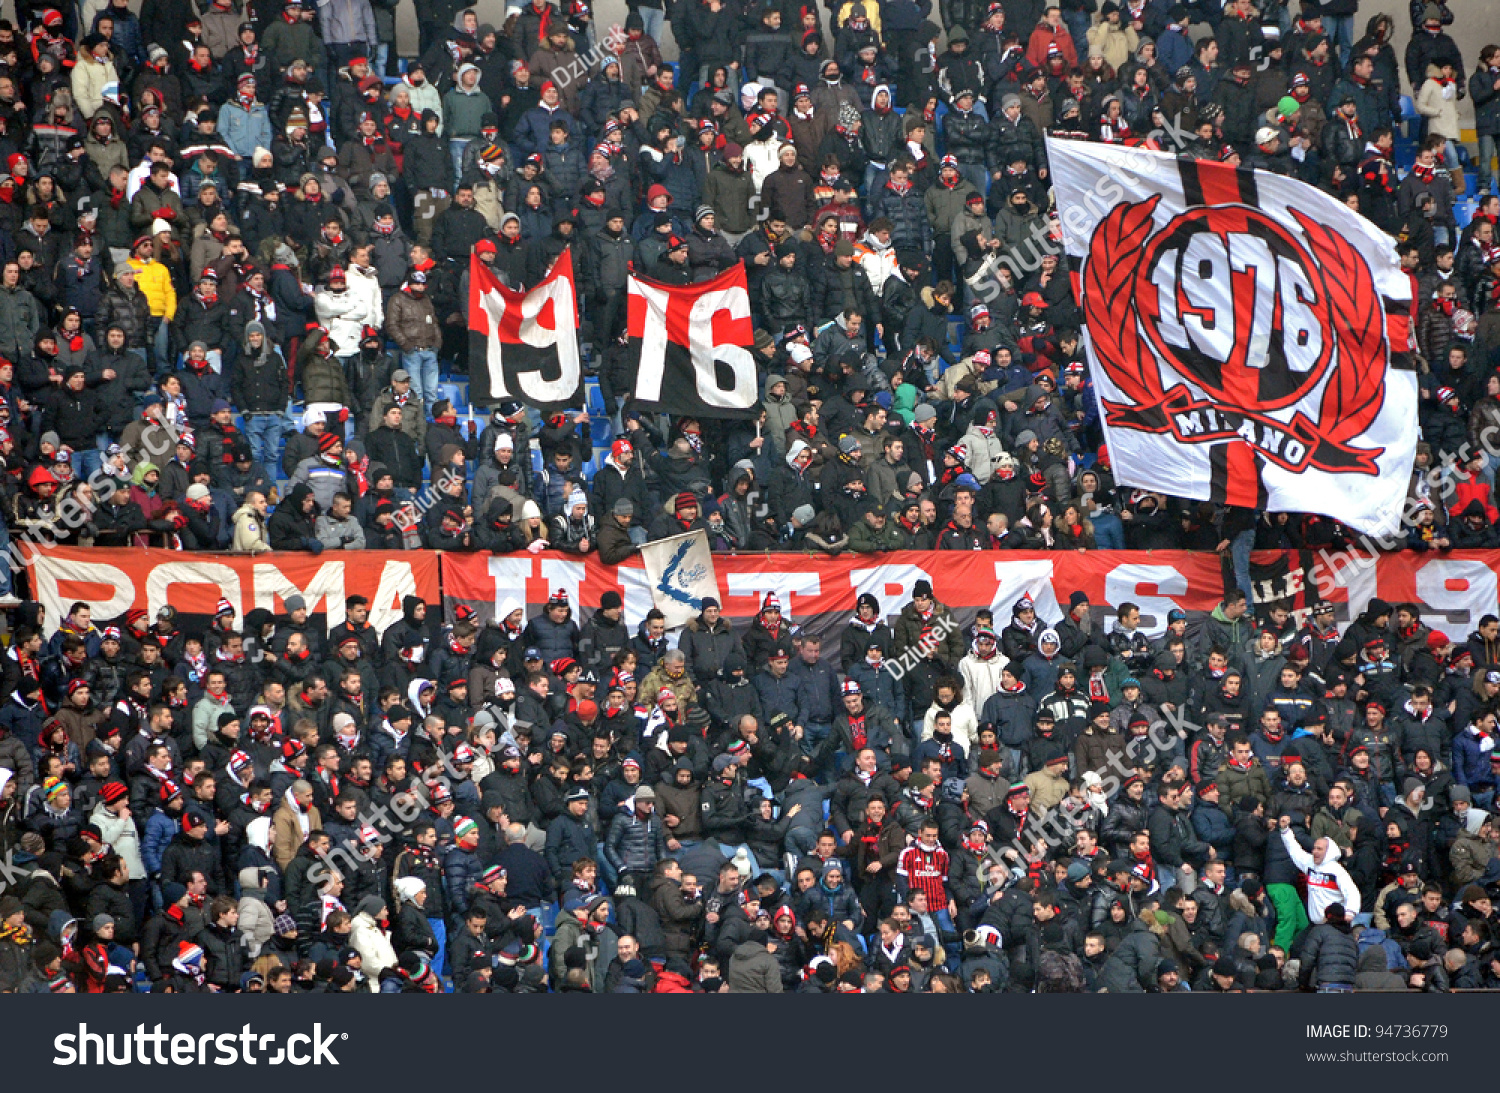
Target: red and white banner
{"type": "Point", "coordinates": [1454, 590]}
{"type": "Point", "coordinates": [818, 594]}
{"type": "Point", "coordinates": [1248, 334]}
{"type": "Point", "coordinates": [531, 337]}
{"type": "Point", "coordinates": [694, 341]}
{"type": "Point", "coordinates": [114, 580]}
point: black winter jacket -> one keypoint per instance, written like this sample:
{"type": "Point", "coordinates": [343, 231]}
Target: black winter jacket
{"type": "Point", "coordinates": [840, 291]}
{"type": "Point", "coordinates": [223, 956]}
{"type": "Point", "coordinates": [289, 528]}
{"type": "Point", "coordinates": [966, 136]}
{"type": "Point", "coordinates": [129, 309]}
{"type": "Point", "coordinates": [1329, 955]}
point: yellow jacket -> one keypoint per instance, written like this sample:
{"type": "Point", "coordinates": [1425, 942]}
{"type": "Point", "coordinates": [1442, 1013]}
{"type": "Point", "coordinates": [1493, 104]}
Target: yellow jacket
{"type": "Point", "coordinates": [156, 282]}
{"type": "Point", "coordinates": [872, 12]}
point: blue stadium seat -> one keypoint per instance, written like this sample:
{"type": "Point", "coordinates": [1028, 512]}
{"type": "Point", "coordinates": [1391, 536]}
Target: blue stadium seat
{"type": "Point", "coordinates": [1410, 121]}
{"type": "Point", "coordinates": [593, 398]}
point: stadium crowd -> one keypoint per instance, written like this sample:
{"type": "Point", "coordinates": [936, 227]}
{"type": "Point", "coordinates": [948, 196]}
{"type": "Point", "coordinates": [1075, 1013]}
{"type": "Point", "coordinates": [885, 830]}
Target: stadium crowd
{"type": "Point", "coordinates": [234, 250]}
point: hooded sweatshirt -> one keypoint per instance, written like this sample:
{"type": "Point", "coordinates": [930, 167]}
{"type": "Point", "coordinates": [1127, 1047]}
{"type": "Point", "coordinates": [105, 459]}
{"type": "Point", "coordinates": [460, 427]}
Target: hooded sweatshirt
{"type": "Point", "coordinates": [1328, 883]}
{"type": "Point", "coordinates": [464, 107]}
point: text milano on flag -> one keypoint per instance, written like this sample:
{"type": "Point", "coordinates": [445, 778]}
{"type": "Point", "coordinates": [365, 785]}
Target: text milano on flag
{"type": "Point", "coordinates": [1248, 335]}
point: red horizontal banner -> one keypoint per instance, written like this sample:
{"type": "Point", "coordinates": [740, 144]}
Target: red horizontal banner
{"type": "Point", "coordinates": [112, 581]}
{"type": "Point", "coordinates": [817, 593]}
{"type": "Point", "coordinates": [813, 587]}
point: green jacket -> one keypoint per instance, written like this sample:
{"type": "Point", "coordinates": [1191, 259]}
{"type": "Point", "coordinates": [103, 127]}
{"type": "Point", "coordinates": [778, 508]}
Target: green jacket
{"type": "Point", "coordinates": [728, 193]}
{"type": "Point", "coordinates": [1229, 635]}
{"type": "Point", "coordinates": [1235, 783]}
{"type": "Point", "coordinates": [464, 111]}
{"type": "Point", "coordinates": [323, 380]}
{"type": "Point", "coordinates": [904, 402]}
{"type": "Point", "coordinates": [863, 539]}
{"type": "Point", "coordinates": [20, 319]}
{"type": "Point", "coordinates": [1325, 825]}
{"type": "Point", "coordinates": [944, 205]}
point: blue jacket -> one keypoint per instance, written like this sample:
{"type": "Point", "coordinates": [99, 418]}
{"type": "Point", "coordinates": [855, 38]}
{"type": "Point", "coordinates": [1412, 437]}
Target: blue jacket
{"type": "Point", "coordinates": [1174, 49]}
{"type": "Point", "coordinates": [1013, 715]}
{"type": "Point", "coordinates": [817, 691]}
{"type": "Point", "coordinates": [1471, 767]}
{"type": "Point", "coordinates": [201, 390]}
{"type": "Point", "coordinates": [1040, 673]}
{"type": "Point", "coordinates": [569, 839]}
{"type": "Point", "coordinates": [879, 686]}
{"type": "Point", "coordinates": [676, 175]}
{"type": "Point", "coordinates": [461, 869]}
{"type": "Point", "coordinates": [23, 723]}
{"type": "Point", "coordinates": [159, 831]}
{"type": "Point", "coordinates": [778, 694]}
{"type": "Point", "coordinates": [553, 488]}
{"type": "Point", "coordinates": [840, 903]}
{"type": "Point", "coordinates": [1214, 827]}
{"type": "Point", "coordinates": [553, 640]}
{"type": "Point", "coordinates": [245, 130]}
{"type": "Point", "coordinates": [383, 745]}
{"type": "Point", "coordinates": [956, 766]}
{"type": "Point", "coordinates": [528, 878]}
{"type": "Point", "coordinates": [635, 844]}
{"type": "Point", "coordinates": [532, 134]}
{"type": "Point", "coordinates": [91, 643]}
